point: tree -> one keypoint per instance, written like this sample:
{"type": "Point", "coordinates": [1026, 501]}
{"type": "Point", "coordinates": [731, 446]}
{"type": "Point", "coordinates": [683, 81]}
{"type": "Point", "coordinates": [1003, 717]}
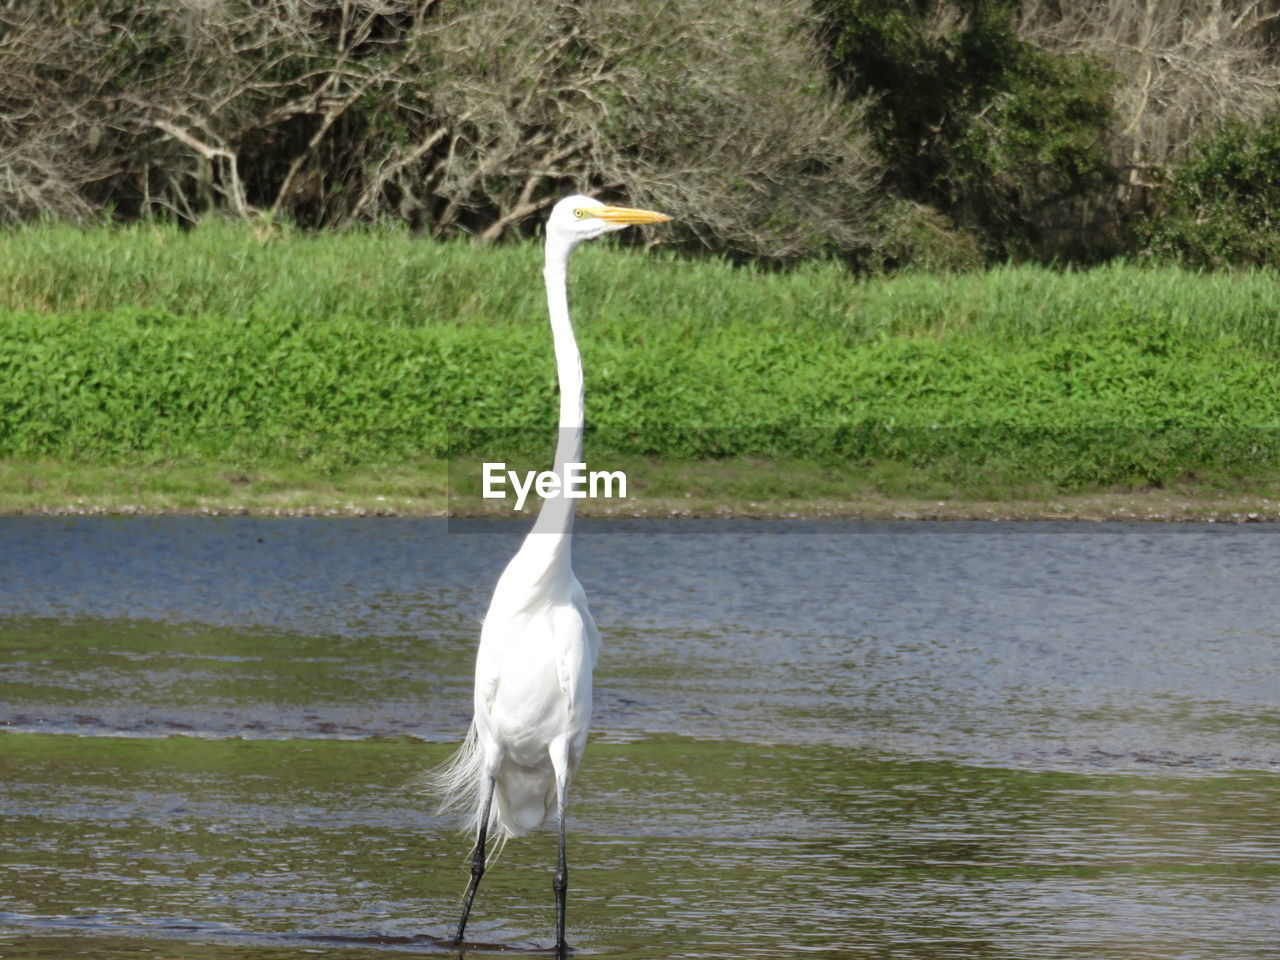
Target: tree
{"type": "Point", "coordinates": [1184, 70]}
{"type": "Point", "coordinates": [465, 117]}
{"type": "Point", "coordinates": [1001, 136]}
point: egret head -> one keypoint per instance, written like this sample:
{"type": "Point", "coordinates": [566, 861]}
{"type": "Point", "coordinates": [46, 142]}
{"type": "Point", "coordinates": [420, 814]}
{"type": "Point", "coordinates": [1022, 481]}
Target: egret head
{"type": "Point", "coordinates": [579, 218]}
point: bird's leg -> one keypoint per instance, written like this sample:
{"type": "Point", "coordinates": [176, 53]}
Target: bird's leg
{"type": "Point", "coordinates": [477, 866]}
{"type": "Point", "coordinates": [560, 884]}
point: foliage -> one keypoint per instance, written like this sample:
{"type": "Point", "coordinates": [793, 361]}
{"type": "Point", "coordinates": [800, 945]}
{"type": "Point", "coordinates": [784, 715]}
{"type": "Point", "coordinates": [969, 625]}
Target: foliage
{"type": "Point", "coordinates": [1223, 205]}
{"type": "Point", "coordinates": [1181, 70]}
{"type": "Point", "coordinates": [375, 348]}
{"type": "Point", "coordinates": [886, 133]}
{"type": "Point", "coordinates": [460, 118]}
{"type": "Point", "coordinates": [919, 237]}
{"type": "Point", "coordinates": [972, 119]}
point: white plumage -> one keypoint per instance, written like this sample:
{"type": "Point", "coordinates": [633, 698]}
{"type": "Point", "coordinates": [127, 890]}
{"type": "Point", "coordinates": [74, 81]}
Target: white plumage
{"type": "Point", "coordinates": [533, 688]}
{"type": "Point", "coordinates": [539, 644]}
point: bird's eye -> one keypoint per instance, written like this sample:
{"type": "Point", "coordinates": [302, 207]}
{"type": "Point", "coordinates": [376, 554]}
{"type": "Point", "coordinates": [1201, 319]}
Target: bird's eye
{"type": "Point", "coordinates": [579, 213]}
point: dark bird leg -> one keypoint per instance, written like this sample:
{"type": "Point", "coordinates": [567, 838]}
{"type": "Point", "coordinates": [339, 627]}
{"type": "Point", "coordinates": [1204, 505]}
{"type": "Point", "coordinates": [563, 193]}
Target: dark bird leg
{"type": "Point", "coordinates": [560, 884]}
{"type": "Point", "coordinates": [477, 866]}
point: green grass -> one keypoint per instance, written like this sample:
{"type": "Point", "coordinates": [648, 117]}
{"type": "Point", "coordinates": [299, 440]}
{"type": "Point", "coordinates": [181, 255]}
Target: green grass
{"type": "Point", "coordinates": [223, 270]}
{"type": "Point", "coordinates": [377, 352]}
{"type": "Point", "coordinates": [34, 486]}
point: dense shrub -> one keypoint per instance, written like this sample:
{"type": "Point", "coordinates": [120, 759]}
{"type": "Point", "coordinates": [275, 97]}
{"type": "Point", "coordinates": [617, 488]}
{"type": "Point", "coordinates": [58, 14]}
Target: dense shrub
{"type": "Point", "coordinates": [469, 117]}
{"type": "Point", "coordinates": [1223, 205]}
{"type": "Point", "coordinates": [883, 132]}
{"type": "Point", "coordinates": [997, 134]}
{"type": "Point", "coordinates": [1182, 70]}
{"type": "Point", "coordinates": [1109, 407]}
{"type": "Point", "coordinates": [148, 345]}
{"type": "Point", "coordinates": [916, 235]}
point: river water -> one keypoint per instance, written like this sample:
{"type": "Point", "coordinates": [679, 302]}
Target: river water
{"type": "Point", "coordinates": [839, 740]}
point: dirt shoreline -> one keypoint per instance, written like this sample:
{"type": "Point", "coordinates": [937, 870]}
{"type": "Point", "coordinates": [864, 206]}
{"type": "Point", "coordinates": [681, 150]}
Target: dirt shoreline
{"type": "Point", "coordinates": [1156, 506]}
{"type": "Point", "coordinates": [721, 490]}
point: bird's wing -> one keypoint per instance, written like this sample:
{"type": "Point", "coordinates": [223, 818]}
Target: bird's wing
{"type": "Point", "coordinates": [591, 635]}
{"type": "Point", "coordinates": [517, 597]}
{"type": "Point", "coordinates": [578, 641]}
{"type": "Point", "coordinates": [489, 660]}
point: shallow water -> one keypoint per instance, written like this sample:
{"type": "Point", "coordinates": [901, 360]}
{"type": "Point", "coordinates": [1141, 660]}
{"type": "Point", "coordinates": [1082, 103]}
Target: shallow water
{"type": "Point", "coordinates": [924, 741]}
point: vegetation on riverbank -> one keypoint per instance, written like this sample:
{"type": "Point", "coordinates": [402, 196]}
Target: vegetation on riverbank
{"type": "Point", "coordinates": [160, 351]}
{"type": "Point", "coordinates": [937, 133]}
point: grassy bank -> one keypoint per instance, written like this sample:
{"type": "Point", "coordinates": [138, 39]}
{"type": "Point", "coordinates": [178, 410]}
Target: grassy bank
{"type": "Point", "coordinates": [340, 363]}
{"type": "Point", "coordinates": [715, 489]}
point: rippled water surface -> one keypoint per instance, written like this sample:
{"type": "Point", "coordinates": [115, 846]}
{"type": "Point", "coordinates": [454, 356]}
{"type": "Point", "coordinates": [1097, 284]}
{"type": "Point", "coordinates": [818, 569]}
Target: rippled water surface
{"type": "Point", "coordinates": [842, 740]}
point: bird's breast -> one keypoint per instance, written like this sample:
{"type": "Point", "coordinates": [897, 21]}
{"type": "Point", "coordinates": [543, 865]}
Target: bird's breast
{"type": "Point", "coordinates": [533, 683]}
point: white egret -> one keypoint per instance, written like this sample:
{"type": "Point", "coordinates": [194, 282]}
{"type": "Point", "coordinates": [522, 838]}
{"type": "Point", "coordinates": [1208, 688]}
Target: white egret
{"type": "Point", "coordinates": [538, 645]}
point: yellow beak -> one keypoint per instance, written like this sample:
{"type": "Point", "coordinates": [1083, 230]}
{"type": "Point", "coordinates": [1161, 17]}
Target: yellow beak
{"type": "Point", "coordinates": [630, 215]}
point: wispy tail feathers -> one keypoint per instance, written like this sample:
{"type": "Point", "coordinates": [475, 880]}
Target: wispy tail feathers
{"type": "Point", "coordinates": [459, 784]}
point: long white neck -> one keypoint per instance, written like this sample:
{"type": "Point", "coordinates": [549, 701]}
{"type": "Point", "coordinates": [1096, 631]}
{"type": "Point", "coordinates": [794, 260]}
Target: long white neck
{"type": "Point", "coordinates": [568, 362]}
{"type": "Point", "coordinates": [551, 536]}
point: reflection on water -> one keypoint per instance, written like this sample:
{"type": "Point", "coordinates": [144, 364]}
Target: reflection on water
{"type": "Point", "coordinates": [863, 741]}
